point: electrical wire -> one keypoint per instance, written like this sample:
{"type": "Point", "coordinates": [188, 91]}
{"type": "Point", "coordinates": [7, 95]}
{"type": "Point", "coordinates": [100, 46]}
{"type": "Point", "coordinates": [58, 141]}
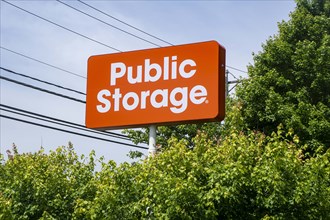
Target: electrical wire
{"type": "Point", "coordinates": [113, 134]}
{"type": "Point", "coordinates": [110, 25]}
{"type": "Point", "coordinates": [236, 69]}
{"type": "Point", "coordinates": [61, 95]}
{"type": "Point", "coordinates": [41, 89]}
{"type": "Point", "coordinates": [124, 137]}
{"type": "Point", "coordinates": [117, 19]}
{"type": "Point", "coordinates": [71, 132]}
{"type": "Point", "coordinates": [58, 122]}
{"type": "Point", "coordinates": [42, 81]}
{"type": "Point", "coordinates": [232, 88]}
{"type": "Point", "coordinates": [65, 28]}
{"type": "Point", "coordinates": [42, 62]}
{"type": "Point", "coordinates": [232, 75]}
{"type": "Point", "coordinates": [129, 25]}
{"type": "Point", "coordinates": [91, 39]}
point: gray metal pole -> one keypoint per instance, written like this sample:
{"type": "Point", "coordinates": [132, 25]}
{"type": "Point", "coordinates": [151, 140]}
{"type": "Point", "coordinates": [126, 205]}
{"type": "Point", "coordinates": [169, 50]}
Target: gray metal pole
{"type": "Point", "coordinates": [152, 140]}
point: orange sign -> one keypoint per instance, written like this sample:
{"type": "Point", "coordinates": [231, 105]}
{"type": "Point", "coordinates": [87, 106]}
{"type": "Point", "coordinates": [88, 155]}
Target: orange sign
{"type": "Point", "coordinates": [178, 84]}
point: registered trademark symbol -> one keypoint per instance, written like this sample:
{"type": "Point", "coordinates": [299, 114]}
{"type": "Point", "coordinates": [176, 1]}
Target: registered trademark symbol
{"type": "Point", "coordinates": [206, 101]}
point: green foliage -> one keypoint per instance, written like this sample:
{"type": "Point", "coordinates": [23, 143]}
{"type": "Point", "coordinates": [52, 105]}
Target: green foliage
{"type": "Point", "coordinates": [289, 81]}
{"type": "Point", "coordinates": [244, 176]}
{"type": "Point", "coordinates": [135, 154]}
{"type": "Point", "coordinates": [182, 132]}
{"type": "Point", "coordinates": [289, 84]}
{"type": "Point", "coordinates": [34, 186]}
{"type": "Point", "coordinates": [187, 132]}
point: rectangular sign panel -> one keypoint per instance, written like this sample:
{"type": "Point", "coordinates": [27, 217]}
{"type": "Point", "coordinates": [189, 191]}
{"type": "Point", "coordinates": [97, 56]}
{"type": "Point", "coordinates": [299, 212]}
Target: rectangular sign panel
{"type": "Point", "coordinates": [168, 85]}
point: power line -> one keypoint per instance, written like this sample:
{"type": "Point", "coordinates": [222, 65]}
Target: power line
{"type": "Point", "coordinates": [41, 89]}
{"type": "Point", "coordinates": [57, 121]}
{"type": "Point", "coordinates": [44, 90]}
{"type": "Point", "coordinates": [67, 122]}
{"type": "Point", "coordinates": [236, 69]}
{"type": "Point", "coordinates": [129, 25]}
{"type": "Point", "coordinates": [98, 20]}
{"type": "Point", "coordinates": [233, 75]}
{"type": "Point", "coordinates": [110, 25]}
{"type": "Point", "coordinates": [232, 88]}
{"type": "Point", "coordinates": [71, 132]}
{"type": "Point", "coordinates": [42, 81]}
{"type": "Point", "coordinates": [91, 39]}
{"type": "Point", "coordinates": [42, 62]}
{"type": "Point", "coordinates": [58, 25]}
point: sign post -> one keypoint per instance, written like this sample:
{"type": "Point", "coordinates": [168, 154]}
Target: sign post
{"type": "Point", "coordinates": [152, 140]}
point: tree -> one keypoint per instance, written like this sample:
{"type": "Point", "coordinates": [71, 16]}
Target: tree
{"type": "Point", "coordinates": [289, 81]}
{"type": "Point", "coordinates": [164, 133]}
{"type": "Point", "coordinates": [214, 130]}
{"type": "Point", "coordinates": [41, 186]}
{"type": "Point", "coordinates": [243, 177]}
{"type": "Point", "coordinates": [288, 84]}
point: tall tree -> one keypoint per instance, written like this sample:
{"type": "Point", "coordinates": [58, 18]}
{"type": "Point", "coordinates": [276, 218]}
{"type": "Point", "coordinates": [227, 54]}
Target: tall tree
{"type": "Point", "coordinates": [289, 82]}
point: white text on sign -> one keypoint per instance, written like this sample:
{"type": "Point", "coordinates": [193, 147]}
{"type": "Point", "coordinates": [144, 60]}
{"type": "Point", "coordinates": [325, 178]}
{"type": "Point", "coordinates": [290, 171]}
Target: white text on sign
{"type": "Point", "coordinates": [177, 99]}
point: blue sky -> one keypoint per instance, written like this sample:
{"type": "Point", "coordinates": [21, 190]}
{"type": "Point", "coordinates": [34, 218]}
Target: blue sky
{"type": "Point", "coordinates": [240, 26]}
